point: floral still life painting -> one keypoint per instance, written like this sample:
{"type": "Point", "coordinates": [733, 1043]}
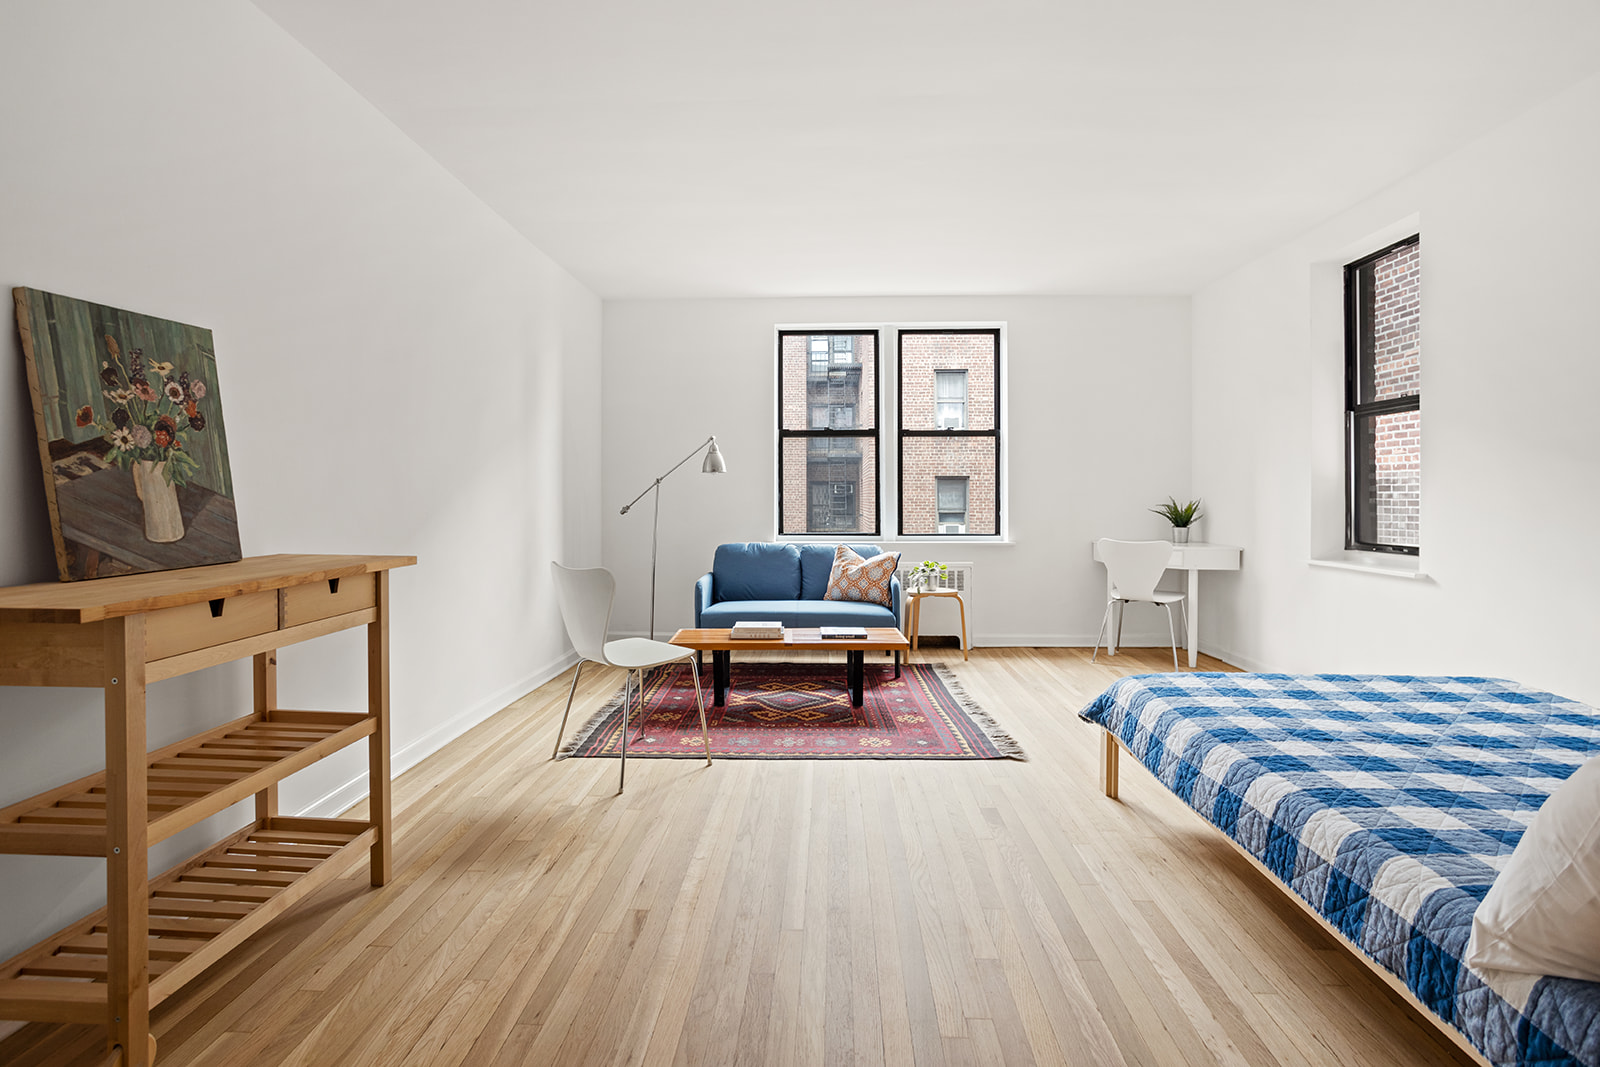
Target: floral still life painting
{"type": "Point", "coordinates": [131, 436]}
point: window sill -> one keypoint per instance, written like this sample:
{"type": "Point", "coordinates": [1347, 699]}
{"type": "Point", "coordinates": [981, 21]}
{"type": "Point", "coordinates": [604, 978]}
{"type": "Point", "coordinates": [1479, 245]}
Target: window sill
{"type": "Point", "coordinates": [1408, 568]}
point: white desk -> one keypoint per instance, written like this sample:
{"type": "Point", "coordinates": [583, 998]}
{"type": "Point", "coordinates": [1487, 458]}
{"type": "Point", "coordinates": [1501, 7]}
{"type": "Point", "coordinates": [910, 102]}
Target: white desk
{"type": "Point", "coordinates": [1194, 557]}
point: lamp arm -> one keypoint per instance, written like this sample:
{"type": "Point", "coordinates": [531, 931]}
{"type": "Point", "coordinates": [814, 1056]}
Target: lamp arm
{"type": "Point", "coordinates": [675, 466]}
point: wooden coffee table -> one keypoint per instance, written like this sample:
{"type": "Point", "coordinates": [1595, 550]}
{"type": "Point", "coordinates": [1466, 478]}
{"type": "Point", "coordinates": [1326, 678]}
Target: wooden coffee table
{"type": "Point", "coordinates": [721, 646]}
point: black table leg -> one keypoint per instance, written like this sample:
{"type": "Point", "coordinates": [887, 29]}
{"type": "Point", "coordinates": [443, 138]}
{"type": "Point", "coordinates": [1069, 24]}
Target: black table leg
{"type": "Point", "coordinates": [719, 677]}
{"type": "Point", "coordinates": [897, 664]}
{"type": "Point", "coordinates": [856, 673]}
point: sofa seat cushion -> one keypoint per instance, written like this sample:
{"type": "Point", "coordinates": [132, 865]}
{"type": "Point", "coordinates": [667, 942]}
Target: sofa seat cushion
{"type": "Point", "coordinates": [803, 613]}
{"type": "Point", "coordinates": [756, 570]}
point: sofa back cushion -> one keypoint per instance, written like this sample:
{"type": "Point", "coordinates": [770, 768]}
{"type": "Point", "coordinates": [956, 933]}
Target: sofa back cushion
{"type": "Point", "coordinates": [755, 570]}
{"type": "Point", "coordinates": [816, 563]}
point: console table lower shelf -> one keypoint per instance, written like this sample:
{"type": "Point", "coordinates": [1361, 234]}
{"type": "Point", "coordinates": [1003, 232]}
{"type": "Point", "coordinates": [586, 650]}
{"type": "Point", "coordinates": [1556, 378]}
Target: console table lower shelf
{"type": "Point", "coordinates": [199, 910]}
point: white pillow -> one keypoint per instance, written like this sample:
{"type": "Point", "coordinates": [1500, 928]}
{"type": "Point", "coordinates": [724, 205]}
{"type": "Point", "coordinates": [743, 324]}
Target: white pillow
{"type": "Point", "coordinates": [1542, 915]}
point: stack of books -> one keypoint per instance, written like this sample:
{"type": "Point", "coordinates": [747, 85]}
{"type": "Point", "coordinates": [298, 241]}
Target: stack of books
{"type": "Point", "coordinates": [757, 631]}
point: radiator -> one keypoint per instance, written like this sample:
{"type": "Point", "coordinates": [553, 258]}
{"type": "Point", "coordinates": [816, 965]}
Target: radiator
{"type": "Point", "coordinates": [940, 615]}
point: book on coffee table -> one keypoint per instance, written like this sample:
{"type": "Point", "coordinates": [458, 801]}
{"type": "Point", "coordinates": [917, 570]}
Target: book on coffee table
{"type": "Point", "coordinates": [757, 631]}
{"type": "Point", "coordinates": [843, 633]}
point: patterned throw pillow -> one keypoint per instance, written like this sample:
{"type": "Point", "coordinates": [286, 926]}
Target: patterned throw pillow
{"type": "Point", "coordinates": [867, 580]}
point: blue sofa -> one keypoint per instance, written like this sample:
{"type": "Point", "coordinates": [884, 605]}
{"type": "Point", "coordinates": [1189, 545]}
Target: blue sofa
{"type": "Point", "coordinates": [783, 582]}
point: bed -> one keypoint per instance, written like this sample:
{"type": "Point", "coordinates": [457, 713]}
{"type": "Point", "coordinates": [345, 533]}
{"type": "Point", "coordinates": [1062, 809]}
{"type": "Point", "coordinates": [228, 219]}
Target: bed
{"type": "Point", "coordinates": [1386, 805]}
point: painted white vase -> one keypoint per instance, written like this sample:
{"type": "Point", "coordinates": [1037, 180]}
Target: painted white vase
{"type": "Point", "coordinates": [163, 522]}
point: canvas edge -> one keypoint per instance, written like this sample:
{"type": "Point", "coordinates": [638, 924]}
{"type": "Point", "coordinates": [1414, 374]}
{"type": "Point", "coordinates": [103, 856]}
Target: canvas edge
{"type": "Point", "coordinates": [19, 295]}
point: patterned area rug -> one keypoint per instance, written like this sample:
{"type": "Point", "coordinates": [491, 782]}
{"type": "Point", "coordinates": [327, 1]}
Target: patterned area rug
{"type": "Point", "coordinates": [802, 711]}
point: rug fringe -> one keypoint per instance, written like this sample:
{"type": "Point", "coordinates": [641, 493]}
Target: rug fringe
{"type": "Point", "coordinates": [1003, 742]}
{"type": "Point", "coordinates": [580, 737]}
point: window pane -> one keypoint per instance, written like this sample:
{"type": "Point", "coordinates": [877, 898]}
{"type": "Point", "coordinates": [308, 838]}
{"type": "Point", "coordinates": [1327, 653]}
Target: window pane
{"type": "Point", "coordinates": [817, 375]}
{"type": "Point", "coordinates": [1389, 359]}
{"type": "Point", "coordinates": [952, 494]}
{"type": "Point", "coordinates": [950, 384]}
{"type": "Point", "coordinates": [830, 485]}
{"type": "Point", "coordinates": [974, 361]}
{"type": "Point", "coordinates": [1386, 491]}
{"type": "Point", "coordinates": [931, 464]}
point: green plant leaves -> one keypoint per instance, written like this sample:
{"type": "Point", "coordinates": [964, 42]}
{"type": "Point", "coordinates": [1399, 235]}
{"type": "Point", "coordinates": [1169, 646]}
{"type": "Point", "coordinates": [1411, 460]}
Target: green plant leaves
{"type": "Point", "coordinates": [1179, 514]}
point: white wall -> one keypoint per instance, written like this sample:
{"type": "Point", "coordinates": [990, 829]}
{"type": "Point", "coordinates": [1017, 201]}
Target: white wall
{"type": "Point", "coordinates": [402, 373]}
{"type": "Point", "coordinates": [1098, 399]}
{"type": "Point", "coordinates": [1511, 443]}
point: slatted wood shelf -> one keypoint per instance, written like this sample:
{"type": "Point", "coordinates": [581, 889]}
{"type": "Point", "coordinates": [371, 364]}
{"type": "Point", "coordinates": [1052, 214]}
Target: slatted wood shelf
{"type": "Point", "coordinates": [199, 911]}
{"type": "Point", "coordinates": [188, 782]}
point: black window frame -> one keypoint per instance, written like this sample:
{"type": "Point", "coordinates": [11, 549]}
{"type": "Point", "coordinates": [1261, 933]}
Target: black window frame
{"type": "Point", "coordinates": [875, 434]}
{"type": "Point", "coordinates": [900, 419]}
{"type": "Point", "coordinates": [1358, 333]}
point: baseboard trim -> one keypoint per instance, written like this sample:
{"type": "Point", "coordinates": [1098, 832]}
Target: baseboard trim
{"type": "Point", "coordinates": [354, 791]}
{"type": "Point", "coordinates": [1238, 659]}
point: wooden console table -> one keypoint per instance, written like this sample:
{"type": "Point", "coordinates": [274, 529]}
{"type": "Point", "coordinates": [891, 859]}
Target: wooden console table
{"type": "Point", "coordinates": [119, 634]}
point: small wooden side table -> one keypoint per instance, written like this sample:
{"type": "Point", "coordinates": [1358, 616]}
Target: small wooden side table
{"type": "Point", "coordinates": [914, 610]}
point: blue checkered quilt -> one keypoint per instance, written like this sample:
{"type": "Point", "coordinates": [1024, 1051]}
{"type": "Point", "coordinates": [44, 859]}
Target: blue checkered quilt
{"type": "Point", "coordinates": [1389, 804]}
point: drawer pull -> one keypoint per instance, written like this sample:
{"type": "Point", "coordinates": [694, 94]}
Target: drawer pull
{"type": "Point", "coordinates": [333, 587]}
{"type": "Point", "coordinates": [216, 607]}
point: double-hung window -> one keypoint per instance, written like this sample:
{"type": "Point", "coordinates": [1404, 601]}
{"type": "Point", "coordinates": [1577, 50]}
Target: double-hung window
{"type": "Point", "coordinates": [828, 432]}
{"type": "Point", "coordinates": [949, 431]}
{"type": "Point", "coordinates": [1383, 400]}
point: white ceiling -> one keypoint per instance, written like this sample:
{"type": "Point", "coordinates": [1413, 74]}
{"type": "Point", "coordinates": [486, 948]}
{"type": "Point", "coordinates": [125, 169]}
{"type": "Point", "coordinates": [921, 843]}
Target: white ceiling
{"type": "Point", "coordinates": [856, 147]}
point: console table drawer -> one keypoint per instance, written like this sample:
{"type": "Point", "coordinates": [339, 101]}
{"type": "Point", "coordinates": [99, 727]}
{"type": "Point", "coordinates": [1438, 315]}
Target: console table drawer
{"type": "Point", "coordinates": [318, 600]}
{"type": "Point", "coordinates": [172, 631]}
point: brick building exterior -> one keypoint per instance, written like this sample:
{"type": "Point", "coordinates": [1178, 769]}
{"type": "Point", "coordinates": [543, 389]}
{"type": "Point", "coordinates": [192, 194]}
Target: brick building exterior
{"type": "Point", "coordinates": [1397, 371]}
{"type": "Point", "coordinates": [828, 381]}
{"type": "Point", "coordinates": [947, 484]}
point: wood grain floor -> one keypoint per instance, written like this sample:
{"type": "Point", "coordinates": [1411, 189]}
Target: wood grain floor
{"type": "Point", "coordinates": [794, 912]}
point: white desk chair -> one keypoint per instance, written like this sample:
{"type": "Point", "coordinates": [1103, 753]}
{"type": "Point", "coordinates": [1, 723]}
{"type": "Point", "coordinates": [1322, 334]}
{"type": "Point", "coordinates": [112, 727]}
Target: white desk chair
{"type": "Point", "coordinates": [584, 597]}
{"type": "Point", "coordinates": [1134, 568]}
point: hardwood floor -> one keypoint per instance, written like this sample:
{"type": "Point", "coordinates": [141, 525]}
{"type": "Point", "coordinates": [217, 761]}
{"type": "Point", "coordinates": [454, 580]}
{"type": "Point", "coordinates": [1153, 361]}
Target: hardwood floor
{"type": "Point", "coordinates": [778, 912]}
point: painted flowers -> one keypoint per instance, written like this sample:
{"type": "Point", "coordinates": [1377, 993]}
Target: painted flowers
{"type": "Point", "coordinates": [149, 410]}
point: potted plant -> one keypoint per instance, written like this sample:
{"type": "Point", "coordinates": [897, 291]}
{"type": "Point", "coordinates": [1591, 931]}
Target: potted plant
{"type": "Point", "coordinates": [924, 575]}
{"type": "Point", "coordinates": [1182, 516]}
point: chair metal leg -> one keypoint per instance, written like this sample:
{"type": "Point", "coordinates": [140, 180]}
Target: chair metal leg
{"type": "Point", "coordinates": [1172, 636]}
{"type": "Point", "coordinates": [627, 709]}
{"type": "Point", "coordinates": [1122, 614]}
{"type": "Point", "coordinates": [1103, 620]}
{"type": "Point", "coordinates": [564, 714]}
{"type": "Point", "coordinates": [699, 700]}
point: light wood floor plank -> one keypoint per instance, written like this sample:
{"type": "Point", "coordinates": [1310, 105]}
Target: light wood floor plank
{"type": "Point", "coordinates": [789, 912]}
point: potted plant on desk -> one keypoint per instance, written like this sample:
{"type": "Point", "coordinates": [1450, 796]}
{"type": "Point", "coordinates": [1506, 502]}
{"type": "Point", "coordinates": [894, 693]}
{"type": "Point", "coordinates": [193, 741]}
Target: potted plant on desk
{"type": "Point", "coordinates": [1181, 516]}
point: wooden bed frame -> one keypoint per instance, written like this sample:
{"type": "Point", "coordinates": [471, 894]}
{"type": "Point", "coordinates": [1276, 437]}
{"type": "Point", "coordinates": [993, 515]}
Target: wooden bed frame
{"type": "Point", "coordinates": [1110, 764]}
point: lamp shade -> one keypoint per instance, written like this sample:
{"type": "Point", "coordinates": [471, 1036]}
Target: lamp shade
{"type": "Point", "coordinates": [714, 463]}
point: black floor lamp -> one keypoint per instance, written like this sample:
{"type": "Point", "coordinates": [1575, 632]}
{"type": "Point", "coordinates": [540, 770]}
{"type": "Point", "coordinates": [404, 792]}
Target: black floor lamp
{"type": "Point", "coordinates": [713, 465]}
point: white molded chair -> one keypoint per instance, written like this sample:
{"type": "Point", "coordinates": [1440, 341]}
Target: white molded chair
{"type": "Point", "coordinates": [1134, 568]}
{"type": "Point", "coordinates": [584, 597]}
